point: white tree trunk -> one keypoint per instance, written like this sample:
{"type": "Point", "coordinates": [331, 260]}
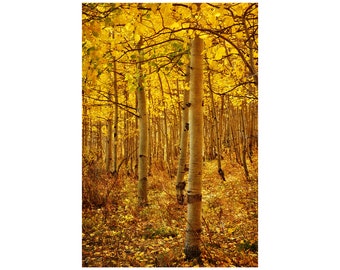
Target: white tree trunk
{"type": "Point", "coordinates": [193, 232]}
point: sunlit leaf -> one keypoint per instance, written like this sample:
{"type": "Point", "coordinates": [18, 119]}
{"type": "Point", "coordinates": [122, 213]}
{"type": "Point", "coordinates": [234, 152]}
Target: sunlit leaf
{"type": "Point", "coordinates": [220, 53]}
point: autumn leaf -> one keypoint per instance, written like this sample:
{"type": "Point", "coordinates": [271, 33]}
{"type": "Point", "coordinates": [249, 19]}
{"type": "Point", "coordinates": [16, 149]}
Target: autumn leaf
{"type": "Point", "coordinates": [129, 27]}
{"type": "Point", "coordinates": [231, 230]}
{"type": "Point", "coordinates": [220, 53]}
{"type": "Point", "coordinates": [136, 37]}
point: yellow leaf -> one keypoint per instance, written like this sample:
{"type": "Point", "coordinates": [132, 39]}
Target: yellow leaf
{"type": "Point", "coordinates": [186, 25]}
{"type": "Point", "coordinates": [220, 53]}
{"type": "Point", "coordinates": [129, 27]}
{"type": "Point", "coordinates": [175, 26]}
{"type": "Point", "coordinates": [239, 35]}
{"type": "Point", "coordinates": [207, 41]}
{"type": "Point", "coordinates": [137, 38]}
{"type": "Point", "coordinates": [231, 230]}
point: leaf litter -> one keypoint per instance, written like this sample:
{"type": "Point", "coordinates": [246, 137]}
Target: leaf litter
{"type": "Point", "coordinates": [120, 234]}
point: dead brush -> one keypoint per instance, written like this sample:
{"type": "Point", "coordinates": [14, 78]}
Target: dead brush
{"type": "Point", "coordinates": [100, 189]}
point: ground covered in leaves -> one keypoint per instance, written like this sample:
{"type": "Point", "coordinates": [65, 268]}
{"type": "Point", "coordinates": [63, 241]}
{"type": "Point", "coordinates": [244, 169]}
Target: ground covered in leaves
{"type": "Point", "coordinates": [117, 233]}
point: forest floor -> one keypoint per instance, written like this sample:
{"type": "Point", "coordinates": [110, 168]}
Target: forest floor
{"type": "Point", "coordinates": [120, 234]}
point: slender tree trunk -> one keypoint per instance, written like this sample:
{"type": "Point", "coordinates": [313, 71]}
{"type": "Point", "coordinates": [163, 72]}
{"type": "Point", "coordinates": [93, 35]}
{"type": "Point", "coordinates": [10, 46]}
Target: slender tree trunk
{"type": "Point", "coordinates": [109, 145]}
{"type": "Point", "coordinates": [109, 138]}
{"type": "Point", "coordinates": [126, 132]}
{"type": "Point", "coordinates": [136, 140]}
{"type": "Point", "coordinates": [177, 107]}
{"type": "Point", "coordinates": [165, 124]}
{"type": "Point", "coordinates": [180, 187]}
{"type": "Point", "coordinates": [115, 123]}
{"type": "Point", "coordinates": [193, 230]}
{"type": "Point", "coordinates": [171, 128]}
{"type": "Point", "coordinates": [85, 128]}
{"type": "Point", "coordinates": [143, 135]}
{"type": "Point", "coordinates": [150, 135]}
{"type": "Point", "coordinates": [90, 142]}
{"type": "Point", "coordinates": [99, 142]}
{"type": "Point", "coordinates": [234, 131]}
{"type": "Point", "coordinates": [217, 132]}
{"type": "Point", "coordinates": [244, 143]}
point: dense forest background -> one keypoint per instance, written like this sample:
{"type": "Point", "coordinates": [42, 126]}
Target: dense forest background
{"type": "Point", "coordinates": [115, 65]}
{"type": "Point", "coordinates": [138, 78]}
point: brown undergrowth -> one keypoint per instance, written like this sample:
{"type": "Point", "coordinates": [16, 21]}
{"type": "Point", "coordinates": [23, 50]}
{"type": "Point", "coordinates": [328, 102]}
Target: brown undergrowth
{"type": "Point", "coordinates": [117, 233]}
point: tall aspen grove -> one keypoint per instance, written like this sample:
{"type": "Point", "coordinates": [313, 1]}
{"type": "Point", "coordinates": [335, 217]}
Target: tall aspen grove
{"type": "Point", "coordinates": [169, 135]}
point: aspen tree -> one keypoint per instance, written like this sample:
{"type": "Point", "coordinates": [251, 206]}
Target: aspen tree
{"type": "Point", "coordinates": [244, 143]}
{"type": "Point", "coordinates": [85, 127]}
{"type": "Point", "coordinates": [115, 123]}
{"type": "Point", "coordinates": [194, 193]}
{"type": "Point", "coordinates": [217, 131]}
{"type": "Point", "coordinates": [143, 133]}
{"type": "Point", "coordinates": [180, 186]}
{"type": "Point", "coordinates": [165, 125]}
{"type": "Point", "coordinates": [109, 144]}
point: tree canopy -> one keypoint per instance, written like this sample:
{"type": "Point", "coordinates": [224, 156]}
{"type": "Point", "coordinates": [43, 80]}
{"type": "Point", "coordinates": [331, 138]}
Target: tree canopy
{"type": "Point", "coordinates": [111, 32]}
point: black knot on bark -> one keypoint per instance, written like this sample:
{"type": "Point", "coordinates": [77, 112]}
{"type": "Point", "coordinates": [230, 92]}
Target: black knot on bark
{"type": "Point", "coordinates": [180, 185]}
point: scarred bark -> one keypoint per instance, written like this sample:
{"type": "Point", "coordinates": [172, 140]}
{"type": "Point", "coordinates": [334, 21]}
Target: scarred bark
{"type": "Point", "coordinates": [180, 186]}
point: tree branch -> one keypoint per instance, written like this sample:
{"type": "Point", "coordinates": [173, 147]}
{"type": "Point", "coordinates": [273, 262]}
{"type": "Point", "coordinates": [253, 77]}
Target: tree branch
{"type": "Point", "coordinates": [240, 84]}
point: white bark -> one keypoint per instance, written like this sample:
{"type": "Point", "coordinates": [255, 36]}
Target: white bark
{"type": "Point", "coordinates": [193, 232]}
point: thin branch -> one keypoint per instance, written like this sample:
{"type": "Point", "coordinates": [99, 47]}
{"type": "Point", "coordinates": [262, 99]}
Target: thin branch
{"type": "Point", "coordinates": [111, 102]}
{"type": "Point", "coordinates": [240, 84]}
